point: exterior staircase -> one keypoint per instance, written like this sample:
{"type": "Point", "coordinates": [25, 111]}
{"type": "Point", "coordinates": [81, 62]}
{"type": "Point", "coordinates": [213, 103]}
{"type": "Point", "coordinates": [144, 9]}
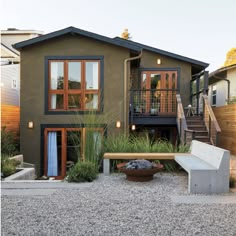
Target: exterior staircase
{"type": "Point", "coordinates": [197, 124]}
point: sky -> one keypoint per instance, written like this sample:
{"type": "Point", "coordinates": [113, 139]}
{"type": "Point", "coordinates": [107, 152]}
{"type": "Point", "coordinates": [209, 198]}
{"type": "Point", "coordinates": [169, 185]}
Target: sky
{"type": "Point", "coordinates": [204, 30]}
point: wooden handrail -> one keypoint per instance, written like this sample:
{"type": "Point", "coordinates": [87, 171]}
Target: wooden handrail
{"type": "Point", "coordinates": [210, 121]}
{"type": "Point", "coordinates": [182, 123]}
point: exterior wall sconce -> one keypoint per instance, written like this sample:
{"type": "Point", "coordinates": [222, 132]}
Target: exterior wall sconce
{"type": "Point", "coordinates": [30, 124]}
{"type": "Point", "coordinates": [118, 124]}
{"type": "Point", "coordinates": [133, 127]}
{"type": "Point", "coordinates": [158, 61]}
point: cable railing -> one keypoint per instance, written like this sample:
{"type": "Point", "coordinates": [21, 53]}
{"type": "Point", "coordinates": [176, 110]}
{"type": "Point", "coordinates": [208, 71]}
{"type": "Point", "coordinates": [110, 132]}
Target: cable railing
{"type": "Point", "coordinates": [151, 102]}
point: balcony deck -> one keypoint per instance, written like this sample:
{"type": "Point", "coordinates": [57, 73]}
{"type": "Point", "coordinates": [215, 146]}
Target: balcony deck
{"type": "Point", "coordinates": [153, 107]}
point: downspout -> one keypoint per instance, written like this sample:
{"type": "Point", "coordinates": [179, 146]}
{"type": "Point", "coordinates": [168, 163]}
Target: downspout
{"type": "Point", "coordinates": [125, 87]}
{"type": "Point", "coordinates": [228, 81]}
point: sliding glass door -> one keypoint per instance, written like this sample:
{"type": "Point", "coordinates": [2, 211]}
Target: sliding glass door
{"type": "Point", "coordinates": [65, 146]}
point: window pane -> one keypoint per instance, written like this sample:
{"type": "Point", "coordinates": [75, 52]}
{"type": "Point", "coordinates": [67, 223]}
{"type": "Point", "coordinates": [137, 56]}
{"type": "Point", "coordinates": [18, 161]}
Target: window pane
{"type": "Point", "coordinates": [74, 101]}
{"type": "Point", "coordinates": [155, 81]}
{"type": "Point", "coordinates": [201, 83]}
{"type": "Point", "coordinates": [73, 150]}
{"type": "Point", "coordinates": [93, 143]}
{"type": "Point", "coordinates": [194, 87]}
{"type": "Point", "coordinates": [144, 80]}
{"type": "Point", "coordinates": [57, 75]}
{"type": "Point", "coordinates": [74, 75]}
{"type": "Point", "coordinates": [57, 101]}
{"type": "Point", "coordinates": [54, 153]}
{"type": "Point", "coordinates": [91, 75]}
{"type": "Point", "coordinates": [91, 101]}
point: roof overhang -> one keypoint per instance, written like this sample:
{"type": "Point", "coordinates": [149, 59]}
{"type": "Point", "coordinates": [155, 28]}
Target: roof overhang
{"type": "Point", "coordinates": [220, 74]}
{"type": "Point", "coordinates": [197, 66]}
{"type": "Point", "coordinates": [73, 31]}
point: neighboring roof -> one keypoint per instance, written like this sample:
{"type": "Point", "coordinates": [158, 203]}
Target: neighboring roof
{"type": "Point", "coordinates": [220, 74]}
{"type": "Point", "coordinates": [198, 65]}
{"type": "Point", "coordinates": [222, 69]}
{"type": "Point", "coordinates": [73, 30]}
{"type": "Point", "coordinates": [7, 52]}
{"type": "Point", "coordinates": [17, 31]}
{"type": "Point", "coordinates": [165, 53]}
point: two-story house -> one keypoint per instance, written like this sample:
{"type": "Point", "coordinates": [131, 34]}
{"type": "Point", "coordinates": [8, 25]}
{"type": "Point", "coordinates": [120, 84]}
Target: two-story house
{"type": "Point", "coordinates": [129, 86]}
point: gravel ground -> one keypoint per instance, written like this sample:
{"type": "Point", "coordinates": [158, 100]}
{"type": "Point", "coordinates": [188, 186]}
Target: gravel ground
{"type": "Point", "coordinates": [111, 205]}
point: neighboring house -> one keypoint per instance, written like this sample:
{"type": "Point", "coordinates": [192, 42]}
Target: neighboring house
{"type": "Point", "coordinates": [68, 73]}
{"type": "Point", "coordinates": [222, 85]}
{"type": "Point", "coordinates": [10, 76]}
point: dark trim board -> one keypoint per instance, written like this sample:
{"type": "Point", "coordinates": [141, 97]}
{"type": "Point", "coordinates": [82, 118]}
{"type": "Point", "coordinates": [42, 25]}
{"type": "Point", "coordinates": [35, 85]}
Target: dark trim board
{"type": "Point", "coordinates": [154, 120]}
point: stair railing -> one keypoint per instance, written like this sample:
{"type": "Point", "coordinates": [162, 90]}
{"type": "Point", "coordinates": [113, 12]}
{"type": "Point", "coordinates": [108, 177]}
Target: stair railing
{"type": "Point", "coordinates": [186, 135]}
{"type": "Point", "coordinates": [211, 123]}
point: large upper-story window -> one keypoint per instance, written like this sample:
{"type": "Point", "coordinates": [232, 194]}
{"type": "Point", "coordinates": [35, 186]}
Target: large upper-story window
{"type": "Point", "coordinates": [74, 85]}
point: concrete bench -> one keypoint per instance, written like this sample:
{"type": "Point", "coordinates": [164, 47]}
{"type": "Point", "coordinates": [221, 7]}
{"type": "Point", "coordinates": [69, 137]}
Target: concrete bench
{"type": "Point", "coordinates": [133, 156]}
{"type": "Point", "coordinates": [207, 167]}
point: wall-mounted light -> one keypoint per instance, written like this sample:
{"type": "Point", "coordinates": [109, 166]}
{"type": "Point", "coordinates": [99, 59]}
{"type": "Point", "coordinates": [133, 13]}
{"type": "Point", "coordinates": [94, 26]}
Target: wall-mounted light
{"type": "Point", "coordinates": [30, 124]}
{"type": "Point", "coordinates": [118, 124]}
{"type": "Point", "coordinates": [158, 61]}
{"type": "Point", "coordinates": [133, 127]}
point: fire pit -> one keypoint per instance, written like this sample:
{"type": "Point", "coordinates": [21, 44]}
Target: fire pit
{"type": "Point", "coordinates": [139, 170]}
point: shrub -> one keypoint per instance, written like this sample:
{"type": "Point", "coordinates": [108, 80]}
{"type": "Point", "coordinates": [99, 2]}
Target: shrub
{"type": "Point", "coordinates": [8, 166]}
{"type": "Point", "coordinates": [232, 182]}
{"type": "Point", "coordinates": [8, 142]}
{"type": "Point", "coordinates": [82, 172]}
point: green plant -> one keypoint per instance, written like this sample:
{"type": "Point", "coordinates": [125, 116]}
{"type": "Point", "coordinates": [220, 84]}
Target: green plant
{"type": "Point", "coordinates": [8, 142]}
{"type": "Point", "coordinates": [232, 182]}
{"type": "Point", "coordinates": [124, 143]}
{"type": "Point", "coordinates": [82, 172]}
{"type": "Point", "coordinates": [8, 166]}
{"type": "Point", "coordinates": [232, 100]}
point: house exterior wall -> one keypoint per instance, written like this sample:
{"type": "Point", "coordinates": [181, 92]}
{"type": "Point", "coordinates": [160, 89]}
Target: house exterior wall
{"type": "Point", "coordinates": [10, 95]}
{"type": "Point", "coordinates": [231, 75]}
{"type": "Point", "coordinates": [33, 87]}
{"type": "Point", "coordinates": [221, 93]}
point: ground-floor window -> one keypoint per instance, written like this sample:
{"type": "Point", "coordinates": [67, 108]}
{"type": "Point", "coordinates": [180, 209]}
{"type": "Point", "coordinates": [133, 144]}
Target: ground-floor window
{"type": "Point", "coordinates": [63, 147]}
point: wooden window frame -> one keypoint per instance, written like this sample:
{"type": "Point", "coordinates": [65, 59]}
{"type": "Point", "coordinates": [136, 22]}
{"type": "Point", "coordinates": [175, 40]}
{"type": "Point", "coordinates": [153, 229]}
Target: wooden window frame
{"type": "Point", "coordinates": [63, 131]}
{"type": "Point", "coordinates": [66, 91]}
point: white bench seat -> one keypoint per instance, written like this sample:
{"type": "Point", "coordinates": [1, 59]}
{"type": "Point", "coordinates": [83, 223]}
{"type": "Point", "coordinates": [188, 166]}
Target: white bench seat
{"type": "Point", "coordinates": [207, 167]}
{"type": "Point", "coordinates": [192, 162]}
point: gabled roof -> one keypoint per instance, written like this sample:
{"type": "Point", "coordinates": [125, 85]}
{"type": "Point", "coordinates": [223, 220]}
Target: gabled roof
{"type": "Point", "coordinates": [220, 74]}
{"type": "Point", "coordinates": [162, 52]}
{"type": "Point", "coordinates": [73, 30]}
{"type": "Point", "coordinates": [222, 69]}
{"type": "Point", "coordinates": [198, 65]}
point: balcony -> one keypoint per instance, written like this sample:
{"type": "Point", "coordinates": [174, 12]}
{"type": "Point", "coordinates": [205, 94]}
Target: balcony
{"type": "Point", "coordinates": [153, 107]}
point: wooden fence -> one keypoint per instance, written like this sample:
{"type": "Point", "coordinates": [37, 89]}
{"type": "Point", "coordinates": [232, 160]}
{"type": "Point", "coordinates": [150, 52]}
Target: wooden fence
{"type": "Point", "coordinates": [226, 117]}
{"type": "Point", "coordinates": [10, 117]}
